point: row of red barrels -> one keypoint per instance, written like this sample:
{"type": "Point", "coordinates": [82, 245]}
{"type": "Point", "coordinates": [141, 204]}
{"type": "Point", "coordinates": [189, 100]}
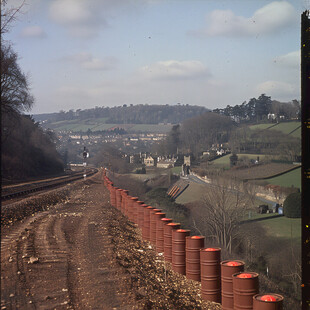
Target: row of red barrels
{"type": "Point", "coordinates": [223, 282]}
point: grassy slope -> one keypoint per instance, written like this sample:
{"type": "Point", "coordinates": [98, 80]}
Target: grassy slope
{"type": "Point", "coordinates": [285, 127]}
{"type": "Point", "coordinates": [99, 124]}
{"type": "Point", "coordinates": [283, 227]}
{"type": "Point", "coordinates": [225, 161]}
{"type": "Point", "coordinates": [194, 192]}
{"type": "Point", "coordinates": [289, 179]}
{"type": "Point", "coordinates": [292, 178]}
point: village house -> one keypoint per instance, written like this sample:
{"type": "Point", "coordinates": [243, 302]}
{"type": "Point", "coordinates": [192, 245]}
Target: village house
{"type": "Point", "coordinates": [149, 161]}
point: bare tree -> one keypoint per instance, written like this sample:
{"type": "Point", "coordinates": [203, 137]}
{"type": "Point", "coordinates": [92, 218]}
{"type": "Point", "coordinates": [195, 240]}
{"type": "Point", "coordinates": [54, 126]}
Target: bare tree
{"type": "Point", "coordinates": [223, 207]}
{"type": "Point", "coordinates": [9, 14]}
{"type": "Point", "coordinates": [15, 90]}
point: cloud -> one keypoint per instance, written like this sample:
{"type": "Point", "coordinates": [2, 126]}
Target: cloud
{"type": "Point", "coordinates": [86, 18]}
{"type": "Point", "coordinates": [80, 18]}
{"type": "Point", "coordinates": [270, 18]}
{"type": "Point", "coordinates": [174, 69]}
{"type": "Point", "coordinates": [279, 90]}
{"type": "Point", "coordinates": [291, 60]}
{"type": "Point", "coordinates": [33, 32]}
{"type": "Point", "coordinates": [89, 62]}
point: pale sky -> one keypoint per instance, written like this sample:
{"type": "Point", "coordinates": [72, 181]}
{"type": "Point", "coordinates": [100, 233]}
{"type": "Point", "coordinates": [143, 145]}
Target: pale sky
{"type": "Point", "coordinates": [85, 53]}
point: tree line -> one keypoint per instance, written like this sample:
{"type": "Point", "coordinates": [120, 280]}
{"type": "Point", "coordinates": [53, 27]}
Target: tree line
{"type": "Point", "coordinates": [256, 110]}
{"type": "Point", "coordinates": [132, 114]}
{"type": "Point", "coordinates": [27, 150]}
{"type": "Point", "coordinates": [197, 134]}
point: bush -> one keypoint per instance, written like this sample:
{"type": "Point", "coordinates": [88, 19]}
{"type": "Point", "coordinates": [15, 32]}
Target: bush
{"type": "Point", "coordinates": [158, 198]}
{"type": "Point", "coordinates": [292, 205]}
{"type": "Point", "coordinates": [141, 171]}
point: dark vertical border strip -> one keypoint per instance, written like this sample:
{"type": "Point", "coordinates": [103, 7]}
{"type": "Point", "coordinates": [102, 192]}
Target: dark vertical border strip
{"type": "Point", "coordinates": [305, 110]}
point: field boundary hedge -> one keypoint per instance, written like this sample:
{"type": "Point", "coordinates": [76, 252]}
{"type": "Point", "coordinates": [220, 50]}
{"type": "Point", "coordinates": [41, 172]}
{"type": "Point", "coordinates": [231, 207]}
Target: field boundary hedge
{"type": "Point", "coordinates": [275, 175]}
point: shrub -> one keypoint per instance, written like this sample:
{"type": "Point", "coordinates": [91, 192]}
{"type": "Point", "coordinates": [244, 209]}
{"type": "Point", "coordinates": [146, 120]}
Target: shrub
{"type": "Point", "coordinates": [292, 205]}
{"type": "Point", "coordinates": [158, 198]}
{"type": "Point", "coordinates": [233, 160]}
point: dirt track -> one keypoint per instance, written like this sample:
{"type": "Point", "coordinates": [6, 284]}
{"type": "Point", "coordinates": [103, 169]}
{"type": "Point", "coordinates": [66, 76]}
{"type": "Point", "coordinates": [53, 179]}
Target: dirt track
{"type": "Point", "coordinates": [83, 254]}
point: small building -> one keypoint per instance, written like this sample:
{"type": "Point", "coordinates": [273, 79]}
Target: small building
{"type": "Point", "coordinates": [187, 160]}
{"type": "Point", "coordinates": [149, 161]}
{"type": "Point", "coordinates": [134, 159]}
{"type": "Point", "coordinates": [165, 164]}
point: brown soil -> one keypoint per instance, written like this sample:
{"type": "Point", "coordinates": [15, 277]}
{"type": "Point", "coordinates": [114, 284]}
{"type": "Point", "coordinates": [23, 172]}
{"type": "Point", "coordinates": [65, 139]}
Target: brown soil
{"type": "Point", "coordinates": [259, 171]}
{"type": "Point", "coordinates": [84, 254]}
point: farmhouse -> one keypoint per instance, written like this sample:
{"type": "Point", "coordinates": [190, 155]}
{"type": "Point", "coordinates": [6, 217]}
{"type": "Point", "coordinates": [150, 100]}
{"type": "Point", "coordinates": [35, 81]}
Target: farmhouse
{"type": "Point", "coordinates": [149, 161]}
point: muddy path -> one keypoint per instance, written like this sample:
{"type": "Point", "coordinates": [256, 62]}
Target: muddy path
{"type": "Point", "coordinates": [84, 254]}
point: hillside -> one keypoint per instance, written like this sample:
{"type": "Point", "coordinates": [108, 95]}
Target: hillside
{"type": "Point", "coordinates": [292, 128]}
{"type": "Point", "coordinates": [27, 150]}
{"type": "Point", "coordinates": [98, 125]}
{"type": "Point", "coordinates": [102, 118]}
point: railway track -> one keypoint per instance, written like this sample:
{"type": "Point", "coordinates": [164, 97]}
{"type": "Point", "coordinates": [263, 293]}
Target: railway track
{"type": "Point", "coordinates": [23, 189]}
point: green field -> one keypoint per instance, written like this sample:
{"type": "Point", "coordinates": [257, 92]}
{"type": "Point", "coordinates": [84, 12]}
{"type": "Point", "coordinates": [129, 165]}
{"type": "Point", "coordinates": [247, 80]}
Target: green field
{"type": "Point", "coordinates": [99, 124]}
{"type": "Point", "coordinates": [291, 178]}
{"type": "Point", "coordinates": [261, 126]}
{"type": "Point", "coordinates": [225, 161]}
{"type": "Point", "coordinates": [288, 127]}
{"type": "Point", "coordinates": [283, 227]}
{"type": "Point", "coordinates": [150, 128]}
{"type": "Point", "coordinates": [285, 127]}
{"type": "Point", "coordinates": [176, 170]}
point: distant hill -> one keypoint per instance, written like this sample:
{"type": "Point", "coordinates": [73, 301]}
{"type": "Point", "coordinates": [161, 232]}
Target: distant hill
{"type": "Point", "coordinates": [133, 114]}
{"type": "Point", "coordinates": [98, 125]}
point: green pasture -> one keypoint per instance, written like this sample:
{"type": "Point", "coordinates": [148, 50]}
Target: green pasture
{"type": "Point", "coordinates": [297, 133]}
{"type": "Point", "coordinates": [67, 127]}
{"type": "Point", "coordinates": [285, 127]}
{"type": "Point", "coordinates": [225, 161]}
{"type": "Point", "coordinates": [176, 170]}
{"type": "Point", "coordinates": [289, 179]}
{"type": "Point", "coordinates": [99, 124]}
{"type": "Point", "coordinates": [261, 126]}
{"type": "Point", "coordinates": [150, 128]}
{"type": "Point", "coordinates": [99, 127]}
{"type": "Point", "coordinates": [283, 227]}
{"type": "Point", "coordinates": [253, 215]}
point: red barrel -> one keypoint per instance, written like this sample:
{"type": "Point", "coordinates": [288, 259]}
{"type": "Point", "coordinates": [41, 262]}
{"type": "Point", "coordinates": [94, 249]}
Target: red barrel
{"type": "Point", "coordinates": [141, 214]}
{"type": "Point", "coordinates": [131, 207]}
{"type": "Point", "coordinates": [193, 245]}
{"type": "Point", "coordinates": [267, 302]}
{"type": "Point", "coordinates": [113, 196]}
{"type": "Point", "coordinates": [158, 217]}
{"type": "Point", "coordinates": [228, 268]}
{"type": "Point", "coordinates": [146, 223]}
{"type": "Point", "coordinates": [136, 211]}
{"type": "Point", "coordinates": [118, 198]}
{"type": "Point", "coordinates": [168, 240]}
{"type": "Point", "coordinates": [245, 286]}
{"type": "Point", "coordinates": [160, 234]}
{"type": "Point", "coordinates": [128, 202]}
{"type": "Point", "coordinates": [124, 200]}
{"type": "Point", "coordinates": [153, 225]}
{"type": "Point", "coordinates": [178, 250]}
{"type": "Point", "coordinates": [210, 259]}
